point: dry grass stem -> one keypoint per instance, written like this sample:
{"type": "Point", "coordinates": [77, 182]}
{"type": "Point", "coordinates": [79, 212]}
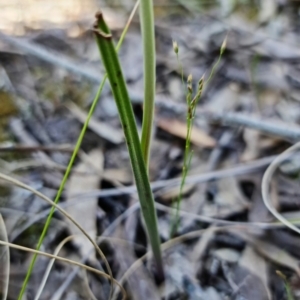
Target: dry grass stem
{"type": "Point", "coordinates": [49, 201]}
{"type": "Point", "coordinates": [266, 183]}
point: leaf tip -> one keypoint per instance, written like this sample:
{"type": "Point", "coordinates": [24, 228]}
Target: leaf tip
{"type": "Point", "coordinates": [99, 15]}
{"type": "Point", "coordinates": [96, 27]}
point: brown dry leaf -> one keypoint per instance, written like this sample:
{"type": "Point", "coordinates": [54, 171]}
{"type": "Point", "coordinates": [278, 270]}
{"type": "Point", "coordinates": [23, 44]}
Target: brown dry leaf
{"type": "Point", "coordinates": [271, 252]}
{"type": "Point", "coordinates": [258, 211]}
{"type": "Point", "coordinates": [228, 198]}
{"type": "Point", "coordinates": [180, 273]}
{"type": "Point", "coordinates": [105, 131]}
{"type": "Point", "coordinates": [201, 247]}
{"type": "Point", "coordinates": [84, 212]}
{"type": "Point", "coordinates": [227, 254]}
{"type": "Point", "coordinates": [256, 143]}
{"type": "Point", "coordinates": [269, 98]}
{"type": "Point", "coordinates": [145, 289]}
{"type": "Point", "coordinates": [230, 194]}
{"type": "Point", "coordinates": [277, 255]}
{"type": "Point", "coordinates": [247, 285]}
{"type": "Point", "coordinates": [179, 128]}
{"type": "Point", "coordinates": [172, 193]}
{"type": "Point", "coordinates": [252, 139]}
{"type": "Point", "coordinates": [118, 175]}
{"type": "Point", "coordinates": [257, 266]}
{"type": "Point", "coordinates": [267, 10]}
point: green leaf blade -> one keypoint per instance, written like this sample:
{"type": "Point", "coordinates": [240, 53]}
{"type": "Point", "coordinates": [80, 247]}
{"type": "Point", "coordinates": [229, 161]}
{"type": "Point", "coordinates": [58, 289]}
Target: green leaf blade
{"type": "Point", "coordinates": [119, 90]}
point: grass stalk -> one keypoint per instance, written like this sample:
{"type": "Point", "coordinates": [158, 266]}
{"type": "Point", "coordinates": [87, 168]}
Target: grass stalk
{"type": "Point", "coordinates": [119, 89]}
{"type": "Point", "coordinates": [266, 185]}
{"type": "Point", "coordinates": [71, 163]}
{"type": "Point", "coordinates": [148, 36]}
{"type": "Point", "coordinates": [190, 116]}
{"type": "Point", "coordinates": [66, 260]}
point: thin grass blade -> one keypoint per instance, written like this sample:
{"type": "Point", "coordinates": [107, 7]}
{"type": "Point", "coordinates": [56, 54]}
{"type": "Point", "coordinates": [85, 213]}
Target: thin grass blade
{"type": "Point", "coordinates": [148, 37]}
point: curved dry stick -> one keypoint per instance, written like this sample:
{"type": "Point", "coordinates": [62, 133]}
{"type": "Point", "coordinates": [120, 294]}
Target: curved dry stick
{"type": "Point", "coordinates": [266, 183]}
{"type": "Point", "coordinates": [58, 248]}
{"type": "Point", "coordinates": [99, 239]}
{"type": "Point", "coordinates": [182, 213]}
{"type": "Point", "coordinates": [43, 197]}
{"type": "Point", "coordinates": [263, 225]}
{"type": "Point", "coordinates": [50, 265]}
{"type": "Point", "coordinates": [72, 262]}
{"type": "Point", "coordinates": [239, 169]}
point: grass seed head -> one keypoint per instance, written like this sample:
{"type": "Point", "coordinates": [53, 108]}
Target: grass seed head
{"type": "Point", "coordinates": [200, 83]}
{"type": "Point", "coordinates": [175, 47]}
{"type": "Point", "coordinates": [223, 47]}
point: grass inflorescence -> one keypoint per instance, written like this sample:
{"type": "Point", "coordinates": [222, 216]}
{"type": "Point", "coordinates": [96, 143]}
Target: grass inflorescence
{"type": "Point", "coordinates": [192, 100]}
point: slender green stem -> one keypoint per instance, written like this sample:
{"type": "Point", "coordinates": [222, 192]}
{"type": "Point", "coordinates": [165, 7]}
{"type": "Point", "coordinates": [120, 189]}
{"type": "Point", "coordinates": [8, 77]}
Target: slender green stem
{"type": "Point", "coordinates": [191, 110]}
{"type": "Point", "coordinates": [176, 50]}
{"type": "Point", "coordinates": [70, 165]}
{"type": "Point", "coordinates": [120, 92]}
{"type": "Point", "coordinates": [212, 72]}
{"type": "Point", "coordinates": [148, 35]}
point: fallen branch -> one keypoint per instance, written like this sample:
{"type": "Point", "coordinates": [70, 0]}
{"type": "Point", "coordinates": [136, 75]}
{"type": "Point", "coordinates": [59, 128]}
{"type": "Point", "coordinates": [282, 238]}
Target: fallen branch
{"type": "Point", "coordinates": [57, 59]}
{"type": "Point", "coordinates": [275, 127]}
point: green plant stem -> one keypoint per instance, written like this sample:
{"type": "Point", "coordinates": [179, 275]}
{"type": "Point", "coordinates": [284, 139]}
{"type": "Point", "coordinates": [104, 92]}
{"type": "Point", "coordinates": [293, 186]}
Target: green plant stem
{"type": "Point", "coordinates": [70, 165]}
{"type": "Point", "coordinates": [148, 36]}
{"type": "Point", "coordinates": [191, 110]}
{"type": "Point", "coordinates": [222, 50]}
{"type": "Point", "coordinates": [119, 90]}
